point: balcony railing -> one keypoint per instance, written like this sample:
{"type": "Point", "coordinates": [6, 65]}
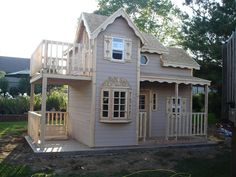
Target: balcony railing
{"type": "Point", "coordinates": [55, 57]}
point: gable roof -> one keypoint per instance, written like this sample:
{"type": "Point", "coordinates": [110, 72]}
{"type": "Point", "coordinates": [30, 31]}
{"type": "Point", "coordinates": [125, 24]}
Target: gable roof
{"type": "Point", "coordinates": [153, 45]}
{"type": "Point", "coordinates": [177, 57]}
{"type": "Point", "coordinates": [94, 23]}
{"type": "Point", "coordinates": [13, 64]}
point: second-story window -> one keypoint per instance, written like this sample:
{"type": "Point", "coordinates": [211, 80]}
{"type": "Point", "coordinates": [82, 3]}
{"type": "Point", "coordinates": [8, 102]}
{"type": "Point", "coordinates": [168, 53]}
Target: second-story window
{"type": "Point", "coordinates": [117, 49]}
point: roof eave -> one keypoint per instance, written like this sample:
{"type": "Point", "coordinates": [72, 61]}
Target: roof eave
{"type": "Point", "coordinates": [180, 65]}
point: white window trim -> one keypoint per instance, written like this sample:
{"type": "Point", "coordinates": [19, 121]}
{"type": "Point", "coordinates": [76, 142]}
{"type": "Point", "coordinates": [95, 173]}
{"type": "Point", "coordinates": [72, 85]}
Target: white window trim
{"type": "Point", "coordinates": [111, 118]}
{"type": "Point", "coordinates": [179, 106]}
{"type": "Point", "coordinates": [147, 60]}
{"type": "Point", "coordinates": [123, 50]}
{"type": "Point", "coordinates": [156, 105]}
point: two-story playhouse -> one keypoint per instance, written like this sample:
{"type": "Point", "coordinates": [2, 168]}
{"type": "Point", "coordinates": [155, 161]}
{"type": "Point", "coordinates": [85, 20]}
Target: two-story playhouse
{"type": "Point", "coordinates": [124, 87]}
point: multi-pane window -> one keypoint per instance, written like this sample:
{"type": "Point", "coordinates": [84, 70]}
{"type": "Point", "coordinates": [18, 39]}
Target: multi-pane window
{"type": "Point", "coordinates": [174, 105]}
{"type": "Point", "coordinates": [142, 105]}
{"type": "Point", "coordinates": [119, 104]}
{"type": "Point", "coordinates": [154, 101]}
{"type": "Point", "coordinates": [105, 103]}
{"type": "Point", "coordinates": [117, 49]}
{"type": "Point", "coordinates": [116, 104]}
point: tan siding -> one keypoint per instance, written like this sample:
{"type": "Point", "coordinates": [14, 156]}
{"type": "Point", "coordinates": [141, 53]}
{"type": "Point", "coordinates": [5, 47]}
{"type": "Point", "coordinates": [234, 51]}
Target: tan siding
{"type": "Point", "coordinates": [79, 106]}
{"type": "Point", "coordinates": [154, 66]}
{"type": "Point", "coordinates": [158, 119]}
{"type": "Point", "coordinates": [116, 134]}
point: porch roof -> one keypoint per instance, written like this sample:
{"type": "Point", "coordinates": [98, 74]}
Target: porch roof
{"type": "Point", "coordinates": [173, 79]}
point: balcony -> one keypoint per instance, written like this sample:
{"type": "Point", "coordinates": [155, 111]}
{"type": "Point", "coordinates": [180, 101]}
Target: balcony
{"type": "Point", "coordinates": [60, 58]}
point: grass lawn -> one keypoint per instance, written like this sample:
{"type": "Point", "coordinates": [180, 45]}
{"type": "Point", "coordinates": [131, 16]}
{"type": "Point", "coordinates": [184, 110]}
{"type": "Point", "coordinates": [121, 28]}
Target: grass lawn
{"type": "Point", "coordinates": [168, 162]}
{"type": "Point", "coordinates": [12, 128]}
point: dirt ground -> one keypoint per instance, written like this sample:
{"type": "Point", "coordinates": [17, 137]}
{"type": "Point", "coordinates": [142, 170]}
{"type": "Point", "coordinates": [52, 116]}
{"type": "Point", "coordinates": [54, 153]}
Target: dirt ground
{"type": "Point", "coordinates": [15, 150]}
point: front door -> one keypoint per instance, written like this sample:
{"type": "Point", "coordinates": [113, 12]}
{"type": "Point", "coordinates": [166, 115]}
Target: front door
{"type": "Point", "coordinates": [143, 115]}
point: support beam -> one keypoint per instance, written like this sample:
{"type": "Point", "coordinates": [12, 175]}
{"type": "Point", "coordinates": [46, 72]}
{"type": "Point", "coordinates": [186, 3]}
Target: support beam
{"type": "Point", "coordinates": [176, 107]}
{"type": "Point", "coordinates": [43, 111]}
{"type": "Point", "coordinates": [32, 97]}
{"type": "Point", "coordinates": [206, 109]}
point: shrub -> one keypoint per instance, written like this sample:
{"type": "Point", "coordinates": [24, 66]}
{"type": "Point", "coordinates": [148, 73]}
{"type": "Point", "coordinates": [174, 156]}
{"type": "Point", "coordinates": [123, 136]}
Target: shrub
{"type": "Point", "coordinates": [4, 85]}
{"type": "Point", "coordinates": [57, 101]}
{"type": "Point", "coordinates": [24, 85]}
{"type": "Point", "coordinates": [14, 91]}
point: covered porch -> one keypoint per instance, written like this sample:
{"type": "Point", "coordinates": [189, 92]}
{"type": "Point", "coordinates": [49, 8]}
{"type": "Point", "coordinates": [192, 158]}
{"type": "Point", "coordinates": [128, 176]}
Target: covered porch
{"type": "Point", "coordinates": [174, 122]}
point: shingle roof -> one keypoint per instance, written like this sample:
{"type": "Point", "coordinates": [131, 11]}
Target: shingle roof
{"type": "Point", "coordinates": [153, 45]}
{"type": "Point", "coordinates": [13, 64]}
{"type": "Point", "coordinates": [93, 20]}
{"type": "Point", "coordinates": [177, 57]}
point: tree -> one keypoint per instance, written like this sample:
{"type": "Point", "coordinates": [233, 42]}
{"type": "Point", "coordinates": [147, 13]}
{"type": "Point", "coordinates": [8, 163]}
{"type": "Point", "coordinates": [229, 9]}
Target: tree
{"type": "Point", "coordinates": [157, 17]}
{"type": "Point", "coordinates": [4, 85]}
{"type": "Point", "coordinates": [205, 31]}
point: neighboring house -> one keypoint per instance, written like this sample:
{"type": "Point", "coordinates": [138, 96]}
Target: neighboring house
{"type": "Point", "coordinates": [13, 64]}
{"type": "Point", "coordinates": [124, 87]}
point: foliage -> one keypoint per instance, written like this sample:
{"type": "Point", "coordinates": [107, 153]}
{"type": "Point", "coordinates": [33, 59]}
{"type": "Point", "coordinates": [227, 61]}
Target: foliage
{"type": "Point", "coordinates": [14, 91]}
{"type": "Point", "coordinates": [56, 100]}
{"type": "Point", "coordinates": [24, 85]}
{"type": "Point", "coordinates": [4, 85]}
{"type": "Point", "coordinates": [17, 105]}
{"type": "Point", "coordinates": [2, 74]}
{"type": "Point", "coordinates": [12, 128]}
{"type": "Point", "coordinates": [150, 16]}
{"type": "Point", "coordinates": [214, 105]}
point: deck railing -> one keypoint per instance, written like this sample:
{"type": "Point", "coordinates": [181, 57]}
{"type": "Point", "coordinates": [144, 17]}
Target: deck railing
{"type": "Point", "coordinates": [33, 125]}
{"type": "Point", "coordinates": [186, 124]}
{"type": "Point", "coordinates": [55, 57]}
{"type": "Point", "coordinates": [142, 125]}
{"type": "Point", "coordinates": [55, 127]}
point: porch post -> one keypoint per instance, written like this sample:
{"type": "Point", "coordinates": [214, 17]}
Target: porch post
{"type": "Point", "coordinates": [206, 109]}
{"type": "Point", "coordinates": [176, 107]}
{"type": "Point", "coordinates": [32, 97]}
{"type": "Point", "coordinates": [43, 111]}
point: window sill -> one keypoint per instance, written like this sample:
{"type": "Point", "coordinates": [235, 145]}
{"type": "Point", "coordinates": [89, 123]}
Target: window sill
{"type": "Point", "coordinates": [116, 121]}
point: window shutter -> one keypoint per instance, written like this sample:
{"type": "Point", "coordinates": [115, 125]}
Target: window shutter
{"type": "Point", "coordinates": [168, 105]}
{"type": "Point", "coordinates": [127, 50]}
{"type": "Point", "coordinates": [183, 106]}
{"type": "Point", "coordinates": [107, 47]}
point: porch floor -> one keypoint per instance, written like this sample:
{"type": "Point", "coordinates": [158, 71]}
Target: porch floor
{"type": "Point", "coordinates": [70, 145]}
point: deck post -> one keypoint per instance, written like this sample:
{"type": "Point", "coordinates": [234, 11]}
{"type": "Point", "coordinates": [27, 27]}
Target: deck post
{"type": "Point", "coordinates": [43, 111]}
{"type": "Point", "coordinates": [32, 97]}
{"type": "Point", "coordinates": [206, 109]}
{"type": "Point", "coordinates": [176, 107]}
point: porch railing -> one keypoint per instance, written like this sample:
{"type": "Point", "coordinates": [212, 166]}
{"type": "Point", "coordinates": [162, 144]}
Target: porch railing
{"type": "Point", "coordinates": [33, 125]}
{"type": "Point", "coordinates": [142, 129]}
{"type": "Point", "coordinates": [55, 127]}
{"type": "Point", "coordinates": [186, 124]}
{"type": "Point", "coordinates": [56, 124]}
{"type": "Point", "coordinates": [56, 57]}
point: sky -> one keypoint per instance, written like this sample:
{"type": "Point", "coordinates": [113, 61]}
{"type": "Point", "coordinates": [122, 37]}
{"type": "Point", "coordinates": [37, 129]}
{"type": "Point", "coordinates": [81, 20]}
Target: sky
{"type": "Point", "coordinates": [25, 23]}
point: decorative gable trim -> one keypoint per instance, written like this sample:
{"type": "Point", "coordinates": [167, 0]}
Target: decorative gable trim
{"type": "Point", "coordinates": [111, 19]}
{"type": "Point", "coordinates": [116, 82]}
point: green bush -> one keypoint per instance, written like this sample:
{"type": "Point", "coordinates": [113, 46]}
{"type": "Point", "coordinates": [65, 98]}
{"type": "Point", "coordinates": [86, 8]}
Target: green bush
{"type": "Point", "coordinates": [3, 85]}
{"type": "Point", "coordinates": [14, 91]}
{"type": "Point", "coordinates": [57, 101]}
{"type": "Point", "coordinates": [24, 85]}
{"type": "Point", "coordinates": [17, 105]}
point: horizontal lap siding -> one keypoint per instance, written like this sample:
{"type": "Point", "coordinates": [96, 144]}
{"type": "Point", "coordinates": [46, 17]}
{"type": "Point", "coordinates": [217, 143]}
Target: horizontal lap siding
{"type": "Point", "coordinates": [116, 134]}
{"type": "Point", "coordinates": [163, 90]}
{"type": "Point", "coordinates": [154, 66]}
{"type": "Point", "coordinates": [79, 105]}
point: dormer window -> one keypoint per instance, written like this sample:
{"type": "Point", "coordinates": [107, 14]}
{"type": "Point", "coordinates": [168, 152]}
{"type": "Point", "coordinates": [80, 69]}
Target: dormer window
{"type": "Point", "coordinates": [117, 49]}
{"type": "Point", "coordinates": [143, 60]}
